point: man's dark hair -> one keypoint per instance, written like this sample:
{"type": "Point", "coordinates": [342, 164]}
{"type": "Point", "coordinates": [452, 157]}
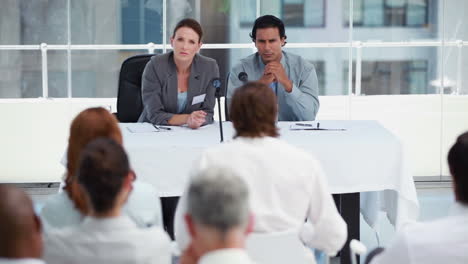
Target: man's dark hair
{"type": "Point", "coordinates": [190, 23]}
{"type": "Point", "coordinates": [253, 111]}
{"type": "Point", "coordinates": [101, 171]}
{"type": "Point", "coordinates": [458, 164]}
{"type": "Point", "coordinates": [268, 21]}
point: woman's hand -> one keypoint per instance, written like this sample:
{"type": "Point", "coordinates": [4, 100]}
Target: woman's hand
{"type": "Point", "coordinates": [196, 119]}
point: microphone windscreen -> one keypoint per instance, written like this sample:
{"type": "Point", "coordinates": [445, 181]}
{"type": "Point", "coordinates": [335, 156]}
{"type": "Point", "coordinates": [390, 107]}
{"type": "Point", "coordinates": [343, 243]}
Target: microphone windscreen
{"type": "Point", "coordinates": [243, 77]}
{"type": "Point", "coordinates": [216, 83]}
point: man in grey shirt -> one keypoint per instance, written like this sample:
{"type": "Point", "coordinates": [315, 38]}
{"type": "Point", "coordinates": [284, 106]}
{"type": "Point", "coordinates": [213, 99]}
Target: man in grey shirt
{"type": "Point", "coordinates": [292, 78]}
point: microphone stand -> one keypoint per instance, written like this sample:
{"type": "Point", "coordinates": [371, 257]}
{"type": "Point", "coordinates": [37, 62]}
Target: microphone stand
{"type": "Point", "coordinates": [218, 94]}
{"type": "Point", "coordinates": [220, 118]}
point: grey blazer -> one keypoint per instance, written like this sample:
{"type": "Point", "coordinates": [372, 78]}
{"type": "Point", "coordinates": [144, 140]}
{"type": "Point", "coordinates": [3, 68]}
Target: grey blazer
{"type": "Point", "coordinates": [159, 88]}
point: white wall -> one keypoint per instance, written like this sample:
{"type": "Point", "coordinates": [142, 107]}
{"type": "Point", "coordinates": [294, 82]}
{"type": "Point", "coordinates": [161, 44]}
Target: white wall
{"type": "Point", "coordinates": [34, 135]}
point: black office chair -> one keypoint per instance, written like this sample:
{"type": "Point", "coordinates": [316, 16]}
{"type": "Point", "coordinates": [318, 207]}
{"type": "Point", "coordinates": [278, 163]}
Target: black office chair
{"type": "Point", "coordinates": [129, 103]}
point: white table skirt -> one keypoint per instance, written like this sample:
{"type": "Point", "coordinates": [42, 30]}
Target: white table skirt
{"type": "Point", "coordinates": [364, 158]}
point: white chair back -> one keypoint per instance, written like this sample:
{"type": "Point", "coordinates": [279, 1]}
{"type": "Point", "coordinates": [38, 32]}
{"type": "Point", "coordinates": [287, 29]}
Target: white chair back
{"type": "Point", "coordinates": [357, 248]}
{"type": "Point", "coordinates": [278, 248]}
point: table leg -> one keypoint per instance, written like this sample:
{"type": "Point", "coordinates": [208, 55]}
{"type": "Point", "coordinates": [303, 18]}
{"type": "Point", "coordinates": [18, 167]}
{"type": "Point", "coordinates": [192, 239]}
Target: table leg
{"type": "Point", "coordinates": [348, 205]}
{"type": "Point", "coordinates": [169, 205]}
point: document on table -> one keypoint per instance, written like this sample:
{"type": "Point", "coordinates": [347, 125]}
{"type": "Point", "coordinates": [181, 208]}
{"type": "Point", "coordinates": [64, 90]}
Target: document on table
{"type": "Point", "coordinates": [141, 128]}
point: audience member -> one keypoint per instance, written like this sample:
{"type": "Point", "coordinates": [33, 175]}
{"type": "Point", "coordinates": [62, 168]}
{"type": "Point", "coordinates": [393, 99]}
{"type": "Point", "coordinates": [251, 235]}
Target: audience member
{"type": "Point", "coordinates": [440, 241]}
{"type": "Point", "coordinates": [218, 218]}
{"type": "Point", "coordinates": [287, 185]}
{"type": "Point", "coordinates": [20, 228]}
{"type": "Point", "coordinates": [105, 235]}
{"type": "Point", "coordinates": [69, 207]}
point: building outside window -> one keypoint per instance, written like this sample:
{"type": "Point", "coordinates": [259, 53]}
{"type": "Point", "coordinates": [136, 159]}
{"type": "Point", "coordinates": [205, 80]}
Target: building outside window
{"type": "Point", "coordinates": [387, 13]}
{"type": "Point", "coordinates": [391, 77]}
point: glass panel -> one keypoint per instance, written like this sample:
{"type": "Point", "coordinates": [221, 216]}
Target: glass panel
{"type": "Point", "coordinates": [96, 73]}
{"type": "Point", "coordinates": [326, 61]}
{"type": "Point", "coordinates": [455, 99]}
{"type": "Point", "coordinates": [33, 22]}
{"type": "Point", "coordinates": [116, 21]}
{"type": "Point", "coordinates": [21, 74]}
{"type": "Point", "coordinates": [398, 71]}
{"type": "Point", "coordinates": [57, 71]}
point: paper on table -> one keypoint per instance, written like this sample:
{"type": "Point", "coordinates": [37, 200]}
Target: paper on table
{"type": "Point", "coordinates": [141, 128]}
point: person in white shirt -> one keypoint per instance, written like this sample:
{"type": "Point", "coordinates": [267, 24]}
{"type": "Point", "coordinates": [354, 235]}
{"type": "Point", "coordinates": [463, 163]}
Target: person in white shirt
{"type": "Point", "coordinates": [218, 218]}
{"type": "Point", "coordinates": [287, 185]}
{"type": "Point", "coordinates": [68, 208]}
{"type": "Point", "coordinates": [20, 228]}
{"type": "Point", "coordinates": [106, 235]}
{"type": "Point", "coordinates": [440, 241]}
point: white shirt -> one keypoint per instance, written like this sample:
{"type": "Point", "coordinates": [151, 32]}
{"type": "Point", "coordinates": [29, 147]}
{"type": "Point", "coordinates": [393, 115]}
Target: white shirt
{"type": "Point", "coordinates": [226, 256]}
{"type": "Point", "coordinates": [114, 240]}
{"type": "Point", "coordinates": [286, 185]}
{"type": "Point", "coordinates": [440, 241]}
{"type": "Point", "coordinates": [143, 207]}
{"type": "Point", "coordinates": [21, 261]}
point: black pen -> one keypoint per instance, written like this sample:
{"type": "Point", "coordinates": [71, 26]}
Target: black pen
{"type": "Point", "coordinates": [165, 128]}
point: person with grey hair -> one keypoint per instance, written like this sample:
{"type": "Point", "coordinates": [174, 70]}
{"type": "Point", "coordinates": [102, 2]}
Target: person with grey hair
{"type": "Point", "coordinates": [218, 218]}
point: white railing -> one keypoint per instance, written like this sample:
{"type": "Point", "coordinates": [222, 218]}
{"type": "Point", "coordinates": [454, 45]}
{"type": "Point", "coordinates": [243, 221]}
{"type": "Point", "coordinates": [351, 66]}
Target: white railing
{"type": "Point", "coordinates": [356, 46]}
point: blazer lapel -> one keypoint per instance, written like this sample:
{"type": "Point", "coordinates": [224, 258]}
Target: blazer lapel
{"type": "Point", "coordinates": [194, 83]}
{"type": "Point", "coordinates": [171, 85]}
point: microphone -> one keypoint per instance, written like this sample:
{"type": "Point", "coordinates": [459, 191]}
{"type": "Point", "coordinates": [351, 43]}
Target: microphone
{"type": "Point", "coordinates": [216, 82]}
{"type": "Point", "coordinates": [243, 77]}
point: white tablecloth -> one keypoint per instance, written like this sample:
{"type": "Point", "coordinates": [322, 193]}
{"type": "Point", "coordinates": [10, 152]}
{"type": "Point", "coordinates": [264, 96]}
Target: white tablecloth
{"type": "Point", "coordinates": [364, 158]}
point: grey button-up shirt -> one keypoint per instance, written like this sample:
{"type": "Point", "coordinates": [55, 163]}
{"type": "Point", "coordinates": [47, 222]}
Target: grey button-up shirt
{"type": "Point", "coordinates": [302, 103]}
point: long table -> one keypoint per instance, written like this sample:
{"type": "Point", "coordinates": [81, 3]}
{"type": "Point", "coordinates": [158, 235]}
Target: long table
{"type": "Point", "coordinates": [363, 159]}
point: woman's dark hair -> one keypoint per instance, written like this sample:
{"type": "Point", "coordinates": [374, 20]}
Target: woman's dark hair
{"type": "Point", "coordinates": [190, 23]}
{"type": "Point", "coordinates": [268, 21]}
{"type": "Point", "coordinates": [102, 170]}
{"type": "Point", "coordinates": [458, 164]}
{"type": "Point", "coordinates": [253, 111]}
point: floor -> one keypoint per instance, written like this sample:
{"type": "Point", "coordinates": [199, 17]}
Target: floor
{"type": "Point", "coordinates": [435, 199]}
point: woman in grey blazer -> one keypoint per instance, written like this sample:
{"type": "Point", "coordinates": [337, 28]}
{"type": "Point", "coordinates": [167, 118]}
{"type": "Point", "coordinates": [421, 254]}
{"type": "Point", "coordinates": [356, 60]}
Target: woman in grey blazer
{"type": "Point", "coordinates": [177, 86]}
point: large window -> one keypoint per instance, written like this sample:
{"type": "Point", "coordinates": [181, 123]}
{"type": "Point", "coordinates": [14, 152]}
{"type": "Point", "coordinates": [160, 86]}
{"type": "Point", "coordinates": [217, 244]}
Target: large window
{"type": "Point", "coordinates": [99, 34]}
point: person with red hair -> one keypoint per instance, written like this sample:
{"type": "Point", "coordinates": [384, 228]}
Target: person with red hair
{"type": "Point", "coordinates": [70, 207]}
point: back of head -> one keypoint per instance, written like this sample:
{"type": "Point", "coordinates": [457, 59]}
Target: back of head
{"type": "Point", "coordinates": [458, 164]}
{"type": "Point", "coordinates": [268, 21]}
{"type": "Point", "coordinates": [20, 229]}
{"type": "Point", "coordinates": [218, 199]}
{"type": "Point", "coordinates": [103, 167]}
{"type": "Point", "coordinates": [90, 124]}
{"type": "Point", "coordinates": [253, 111]}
